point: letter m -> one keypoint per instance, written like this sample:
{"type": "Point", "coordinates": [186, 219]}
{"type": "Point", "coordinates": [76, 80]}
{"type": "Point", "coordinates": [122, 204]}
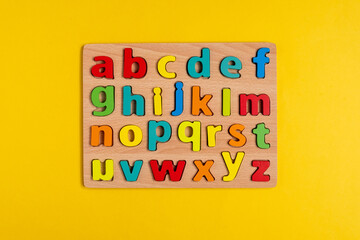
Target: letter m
{"type": "Point", "coordinates": [253, 103]}
{"type": "Point", "coordinates": [167, 167]}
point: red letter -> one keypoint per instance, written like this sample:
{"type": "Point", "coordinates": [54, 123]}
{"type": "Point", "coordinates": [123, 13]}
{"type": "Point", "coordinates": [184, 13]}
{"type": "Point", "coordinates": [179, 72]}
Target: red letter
{"type": "Point", "coordinates": [262, 166]}
{"type": "Point", "coordinates": [129, 60]}
{"type": "Point", "coordinates": [254, 104]}
{"type": "Point", "coordinates": [167, 167]}
{"type": "Point", "coordinates": [105, 69]}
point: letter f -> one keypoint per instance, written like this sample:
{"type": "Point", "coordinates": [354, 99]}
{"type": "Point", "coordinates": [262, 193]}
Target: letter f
{"type": "Point", "coordinates": [260, 60]}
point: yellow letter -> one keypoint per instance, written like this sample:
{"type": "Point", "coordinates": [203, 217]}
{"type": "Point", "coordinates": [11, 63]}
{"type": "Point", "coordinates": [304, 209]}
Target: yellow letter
{"type": "Point", "coordinates": [195, 136]}
{"type": "Point", "coordinates": [97, 174]}
{"type": "Point", "coordinates": [211, 132]}
{"type": "Point", "coordinates": [124, 135]}
{"type": "Point", "coordinates": [232, 166]}
{"type": "Point", "coordinates": [157, 101]}
{"type": "Point", "coordinates": [162, 66]}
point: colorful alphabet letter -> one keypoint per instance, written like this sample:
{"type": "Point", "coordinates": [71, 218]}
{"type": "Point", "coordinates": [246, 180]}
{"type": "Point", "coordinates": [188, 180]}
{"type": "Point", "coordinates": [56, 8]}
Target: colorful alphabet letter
{"type": "Point", "coordinates": [179, 115]}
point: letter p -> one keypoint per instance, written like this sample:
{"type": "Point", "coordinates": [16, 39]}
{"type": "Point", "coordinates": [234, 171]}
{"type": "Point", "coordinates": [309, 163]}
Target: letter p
{"type": "Point", "coordinates": [153, 138]}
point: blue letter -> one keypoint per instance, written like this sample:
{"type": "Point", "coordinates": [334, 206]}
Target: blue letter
{"type": "Point", "coordinates": [131, 176]}
{"type": "Point", "coordinates": [225, 66]}
{"type": "Point", "coordinates": [179, 99]}
{"type": "Point", "coordinates": [128, 98]}
{"type": "Point", "coordinates": [260, 60]}
{"type": "Point", "coordinates": [153, 138]}
{"type": "Point", "coordinates": [205, 64]}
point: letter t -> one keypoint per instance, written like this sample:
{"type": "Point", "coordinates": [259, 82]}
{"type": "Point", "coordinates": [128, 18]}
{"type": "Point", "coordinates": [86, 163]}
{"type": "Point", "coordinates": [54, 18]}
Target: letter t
{"type": "Point", "coordinates": [260, 131]}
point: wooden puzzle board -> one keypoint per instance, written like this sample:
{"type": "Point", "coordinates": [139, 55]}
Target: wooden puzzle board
{"type": "Point", "coordinates": [174, 149]}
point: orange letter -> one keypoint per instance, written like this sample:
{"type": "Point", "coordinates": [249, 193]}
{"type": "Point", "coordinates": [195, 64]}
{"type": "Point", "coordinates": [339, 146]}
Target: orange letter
{"type": "Point", "coordinates": [203, 170]}
{"type": "Point", "coordinates": [200, 103]}
{"type": "Point", "coordinates": [235, 131]}
{"type": "Point", "coordinates": [107, 135]}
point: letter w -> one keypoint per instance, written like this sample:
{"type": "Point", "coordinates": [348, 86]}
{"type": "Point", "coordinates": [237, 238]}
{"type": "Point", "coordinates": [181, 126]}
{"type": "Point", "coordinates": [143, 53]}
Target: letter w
{"type": "Point", "coordinates": [167, 167]}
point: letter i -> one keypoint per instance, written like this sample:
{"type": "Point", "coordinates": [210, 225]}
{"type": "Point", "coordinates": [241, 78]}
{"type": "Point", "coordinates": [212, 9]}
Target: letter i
{"type": "Point", "coordinates": [226, 102]}
{"type": "Point", "coordinates": [157, 101]}
{"type": "Point", "coordinates": [179, 99]}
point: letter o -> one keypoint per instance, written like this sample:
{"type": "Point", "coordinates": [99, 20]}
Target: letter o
{"type": "Point", "coordinates": [124, 135]}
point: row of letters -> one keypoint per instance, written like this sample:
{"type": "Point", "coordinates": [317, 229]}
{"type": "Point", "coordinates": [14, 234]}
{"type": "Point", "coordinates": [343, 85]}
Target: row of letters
{"type": "Point", "coordinates": [175, 171]}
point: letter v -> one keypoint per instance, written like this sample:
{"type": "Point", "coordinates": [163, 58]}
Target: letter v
{"type": "Point", "coordinates": [131, 173]}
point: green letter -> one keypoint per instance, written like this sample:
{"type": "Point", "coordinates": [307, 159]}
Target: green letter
{"type": "Point", "coordinates": [106, 101]}
{"type": "Point", "coordinates": [260, 131]}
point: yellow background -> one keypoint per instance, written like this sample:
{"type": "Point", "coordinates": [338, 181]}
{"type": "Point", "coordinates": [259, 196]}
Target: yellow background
{"type": "Point", "coordinates": [317, 196]}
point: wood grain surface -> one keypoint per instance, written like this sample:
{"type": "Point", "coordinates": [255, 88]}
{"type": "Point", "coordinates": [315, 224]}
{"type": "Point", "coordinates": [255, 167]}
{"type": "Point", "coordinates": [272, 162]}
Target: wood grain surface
{"type": "Point", "coordinates": [174, 149]}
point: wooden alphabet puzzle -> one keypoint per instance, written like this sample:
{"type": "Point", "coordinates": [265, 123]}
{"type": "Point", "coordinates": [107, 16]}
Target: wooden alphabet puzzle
{"type": "Point", "coordinates": [179, 115]}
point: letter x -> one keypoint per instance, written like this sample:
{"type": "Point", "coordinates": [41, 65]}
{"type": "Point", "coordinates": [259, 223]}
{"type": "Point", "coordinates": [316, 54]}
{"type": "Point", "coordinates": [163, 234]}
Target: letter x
{"type": "Point", "coordinates": [203, 170]}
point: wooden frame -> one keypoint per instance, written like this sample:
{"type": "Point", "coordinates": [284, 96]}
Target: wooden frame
{"type": "Point", "coordinates": [256, 159]}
